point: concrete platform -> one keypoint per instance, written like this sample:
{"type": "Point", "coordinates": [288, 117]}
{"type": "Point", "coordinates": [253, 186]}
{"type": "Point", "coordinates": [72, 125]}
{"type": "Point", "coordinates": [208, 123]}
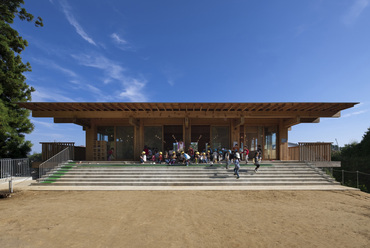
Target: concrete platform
{"type": "Point", "coordinates": [25, 184]}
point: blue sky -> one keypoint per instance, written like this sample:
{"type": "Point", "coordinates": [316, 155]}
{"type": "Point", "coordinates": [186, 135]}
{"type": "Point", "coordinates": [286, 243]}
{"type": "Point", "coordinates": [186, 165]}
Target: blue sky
{"type": "Point", "coordinates": [201, 51]}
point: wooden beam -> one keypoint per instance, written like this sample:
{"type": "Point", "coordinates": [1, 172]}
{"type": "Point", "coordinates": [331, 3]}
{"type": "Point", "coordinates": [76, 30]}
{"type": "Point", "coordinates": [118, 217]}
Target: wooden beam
{"type": "Point", "coordinates": [186, 122]}
{"type": "Point", "coordinates": [310, 120]}
{"type": "Point", "coordinates": [181, 114]}
{"type": "Point", "coordinates": [134, 122]}
{"type": "Point", "coordinates": [291, 122]}
{"type": "Point", "coordinates": [240, 122]}
{"type": "Point", "coordinates": [81, 122]}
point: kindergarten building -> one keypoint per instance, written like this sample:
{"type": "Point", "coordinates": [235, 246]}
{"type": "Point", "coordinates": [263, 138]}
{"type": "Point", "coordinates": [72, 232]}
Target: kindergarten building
{"type": "Point", "coordinates": [129, 126]}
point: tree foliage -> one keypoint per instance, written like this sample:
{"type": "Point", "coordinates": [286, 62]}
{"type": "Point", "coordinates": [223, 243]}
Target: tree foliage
{"type": "Point", "coordinates": [355, 157]}
{"type": "Point", "coordinates": [14, 122]}
{"type": "Point", "coordinates": [358, 150]}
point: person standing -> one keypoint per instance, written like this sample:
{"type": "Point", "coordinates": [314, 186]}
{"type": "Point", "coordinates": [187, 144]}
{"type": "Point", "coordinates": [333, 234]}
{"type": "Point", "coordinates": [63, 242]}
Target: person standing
{"type": "Point", "coordinates": [259, 150]}
{"type": "Point", "coordinates": [227, 158]}
{"type": "Point", "coordinates": [237, 165]}
{"type": "Point", "coordinates": [256, 161]}
{"type": "Point", "coordinates": [110, 154]}
{"type": "Point", "coordinates": [246, 154]}
{"type": "Point", "coordinates": [191, 152]}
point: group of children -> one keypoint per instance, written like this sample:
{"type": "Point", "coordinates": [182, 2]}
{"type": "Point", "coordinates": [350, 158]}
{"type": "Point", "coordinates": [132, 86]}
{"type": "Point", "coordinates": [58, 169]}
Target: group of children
{"type": "Point", "coordinates": [210, 157]}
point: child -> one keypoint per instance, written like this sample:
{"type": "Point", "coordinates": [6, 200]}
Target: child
{"type": "Point", "coordinates": [182, 157]}
{"type": "Point", "coordinates": [173, 158]}
{"type": "Point", "coordinates": [160, 158]}
{"type": "Point", "coordinates": [215, 156]}
{"type": "Point", "coordinates": [256, 161]}
{"type": "Point", "coordinates": [187, 158]}
{"type": "Point", "coordinates": [227, 158]}
{"type": "Point", "coordinates": [246, 154]}
{"type": "Point", "coordinates": [167, 158]}
{"type": "Point", "coordinates": [143, 157]}
{"type": "Point", "coordinates": [110, 154]}
{"type": "Point", "coordinates": [197, 157]}
{"type": "Point", "coordinates": [237, 165]}
{"type": "Point", "coordinates": [209, 160]}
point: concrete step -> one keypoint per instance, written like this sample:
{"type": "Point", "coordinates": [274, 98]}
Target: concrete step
{"type": "Point", "coordinates": [236, 182]}
{"type": "Point", "coordinates": [185, 176]}
{"type": "Point", "coordinates": [122, 175]}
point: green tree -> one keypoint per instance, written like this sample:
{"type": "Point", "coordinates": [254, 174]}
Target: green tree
{"type": "Point", "coordinates": [364, 146]}
{"type": "Point", "coordinates": [355, 157]}
{"type": "Point", "coordinates": [14, 122]}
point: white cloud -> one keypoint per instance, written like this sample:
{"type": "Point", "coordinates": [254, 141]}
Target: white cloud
{"type": "Point", "coordinates": [118, 39]}
{"type": "Point", "coordinates": [72, 20]}
{"type": "Point", "coordinates": [172, 74]}
{"type": "Point", "coordinates": [355, 113]}
{"type": "Point", "coordinates": [357, 110]}
{"type": "Point", "coordinates": [121, 43]}
{"type": "Point", "coordinates": [44, 124]}
{"type": "Point", "coordinates": [355, 11]}
{"type": "Point", "coordinates": [134, 91]}
{"type": "Point", "coordinates": [52, 64]}
{"type": "Point", "coordinates": [114, 73]}
{"type": "Point", "coordinates": [46, 95]}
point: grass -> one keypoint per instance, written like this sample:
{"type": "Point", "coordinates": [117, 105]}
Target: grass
{"type": "Point", "coordinates": [166, 165]}
{"type": "Point", "coordinates": [58, 174]}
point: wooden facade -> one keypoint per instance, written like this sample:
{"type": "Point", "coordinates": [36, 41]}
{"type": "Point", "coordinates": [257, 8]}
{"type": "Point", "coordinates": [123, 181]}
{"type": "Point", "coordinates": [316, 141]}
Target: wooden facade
{"type": "Point", "coordinates": [130, 126]}
{"type": "Point", "coordinates": [49, 149]}
{"type": "Point", "coordinates": [311, 151]}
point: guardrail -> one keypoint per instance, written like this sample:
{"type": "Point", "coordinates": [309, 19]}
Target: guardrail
{"type": "Point", "coordinates": [355, 179]}
{"type": "Point", "coordinates": [52, 163]}
{"type": "Point", "coordinates": [10, 168]}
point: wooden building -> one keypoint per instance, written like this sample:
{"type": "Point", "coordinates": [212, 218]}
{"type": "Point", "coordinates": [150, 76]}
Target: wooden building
{"type": "Point", "coordinates": [129, 126]}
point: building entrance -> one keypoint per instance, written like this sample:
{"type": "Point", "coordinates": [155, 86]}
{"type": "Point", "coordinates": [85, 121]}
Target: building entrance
{"type": "Point", "coordinates": [201, 134]}
{"type": "Point", "coordinates": [172, 134]}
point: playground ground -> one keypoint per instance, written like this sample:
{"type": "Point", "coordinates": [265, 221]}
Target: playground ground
{"type": "Point", "coordinates": [185, 219]}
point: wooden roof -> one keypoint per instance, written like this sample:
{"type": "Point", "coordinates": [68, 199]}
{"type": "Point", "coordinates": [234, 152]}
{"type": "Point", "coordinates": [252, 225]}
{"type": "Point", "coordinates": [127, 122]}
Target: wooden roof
{"type": "Point", "coordinates": [248, 108]}
{"type": "Point", "coordinates": [81, 113]}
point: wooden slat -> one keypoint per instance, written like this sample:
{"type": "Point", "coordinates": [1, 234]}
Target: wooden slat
{"type": "Point", "coordinates": [190, 107]}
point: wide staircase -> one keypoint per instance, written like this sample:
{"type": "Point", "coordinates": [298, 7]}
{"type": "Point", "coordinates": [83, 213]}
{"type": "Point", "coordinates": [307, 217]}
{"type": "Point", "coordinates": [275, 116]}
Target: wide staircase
{"type": "Point", "coordinates": [270, 174]}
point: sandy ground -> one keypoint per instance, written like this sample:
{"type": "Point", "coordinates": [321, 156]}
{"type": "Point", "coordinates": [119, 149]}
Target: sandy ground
{"type": "Point", "coordinates": [185, 219]}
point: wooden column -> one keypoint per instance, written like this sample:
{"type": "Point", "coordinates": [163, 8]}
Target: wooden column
{"type": "Point", "coordinates": [235, 132]}
{"type": "Point", "coordinates": [90, 138]}
{"type": "Point", "coordinates": [283, 141]}
{"type": "Point", "coordinates": [187, 134]}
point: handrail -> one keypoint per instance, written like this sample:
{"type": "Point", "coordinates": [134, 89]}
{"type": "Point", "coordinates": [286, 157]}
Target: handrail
{"type": "Point", "coordinates": [10, 168]}
{"type": "Point", "coordinates": [53, 162]}
{"type": "Point", "coordinates": [342, 177]}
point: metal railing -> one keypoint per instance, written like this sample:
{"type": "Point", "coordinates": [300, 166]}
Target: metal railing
{"type": "Point", "coordinates": [52, 163]}
{"type": "Point", "coordinates": [10, 168]}
{"type": "Point", "coordinates": [355, 179]}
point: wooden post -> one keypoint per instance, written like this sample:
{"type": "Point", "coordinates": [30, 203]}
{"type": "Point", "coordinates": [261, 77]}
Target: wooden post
{"type": "Point", "coordinates": [282, 141]}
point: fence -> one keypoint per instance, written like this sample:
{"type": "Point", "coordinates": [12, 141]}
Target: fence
{"type": "Point", "coordinates": [311, 151]}
{"type": "Point", "coordinates": [14, 168]}
{"type": "Point", "coordinates": [355, 179]}
{"type": "Point", "coordinates": [54, 161]}
{"type": "Point", "coordinates": [49, 149]}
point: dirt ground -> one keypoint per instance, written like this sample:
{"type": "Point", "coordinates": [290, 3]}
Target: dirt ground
{"type": "Point", "coordinates": [185, 219]}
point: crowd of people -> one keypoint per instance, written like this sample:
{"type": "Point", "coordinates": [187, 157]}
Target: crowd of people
{"type": "Point", "coordinates": [211, 157]}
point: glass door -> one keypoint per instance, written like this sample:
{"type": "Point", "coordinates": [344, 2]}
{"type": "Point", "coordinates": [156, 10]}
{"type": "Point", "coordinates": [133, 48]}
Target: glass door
{"type": "Point", "coordinates": [125, 142]}
{"type": "Point", "coordinates": [270, 143]}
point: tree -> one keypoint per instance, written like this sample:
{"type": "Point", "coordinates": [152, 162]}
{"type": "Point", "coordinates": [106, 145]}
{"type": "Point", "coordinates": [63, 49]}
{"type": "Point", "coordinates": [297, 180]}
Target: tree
{"type": "Point", "coordinates": [14, 122]}
{"type": "Point", "coordinates": [364, 146]}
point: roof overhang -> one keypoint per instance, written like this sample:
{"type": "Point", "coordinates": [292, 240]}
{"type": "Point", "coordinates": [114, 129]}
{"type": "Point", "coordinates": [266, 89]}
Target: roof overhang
{"type": "Point", "coordinates": [292, 112]}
